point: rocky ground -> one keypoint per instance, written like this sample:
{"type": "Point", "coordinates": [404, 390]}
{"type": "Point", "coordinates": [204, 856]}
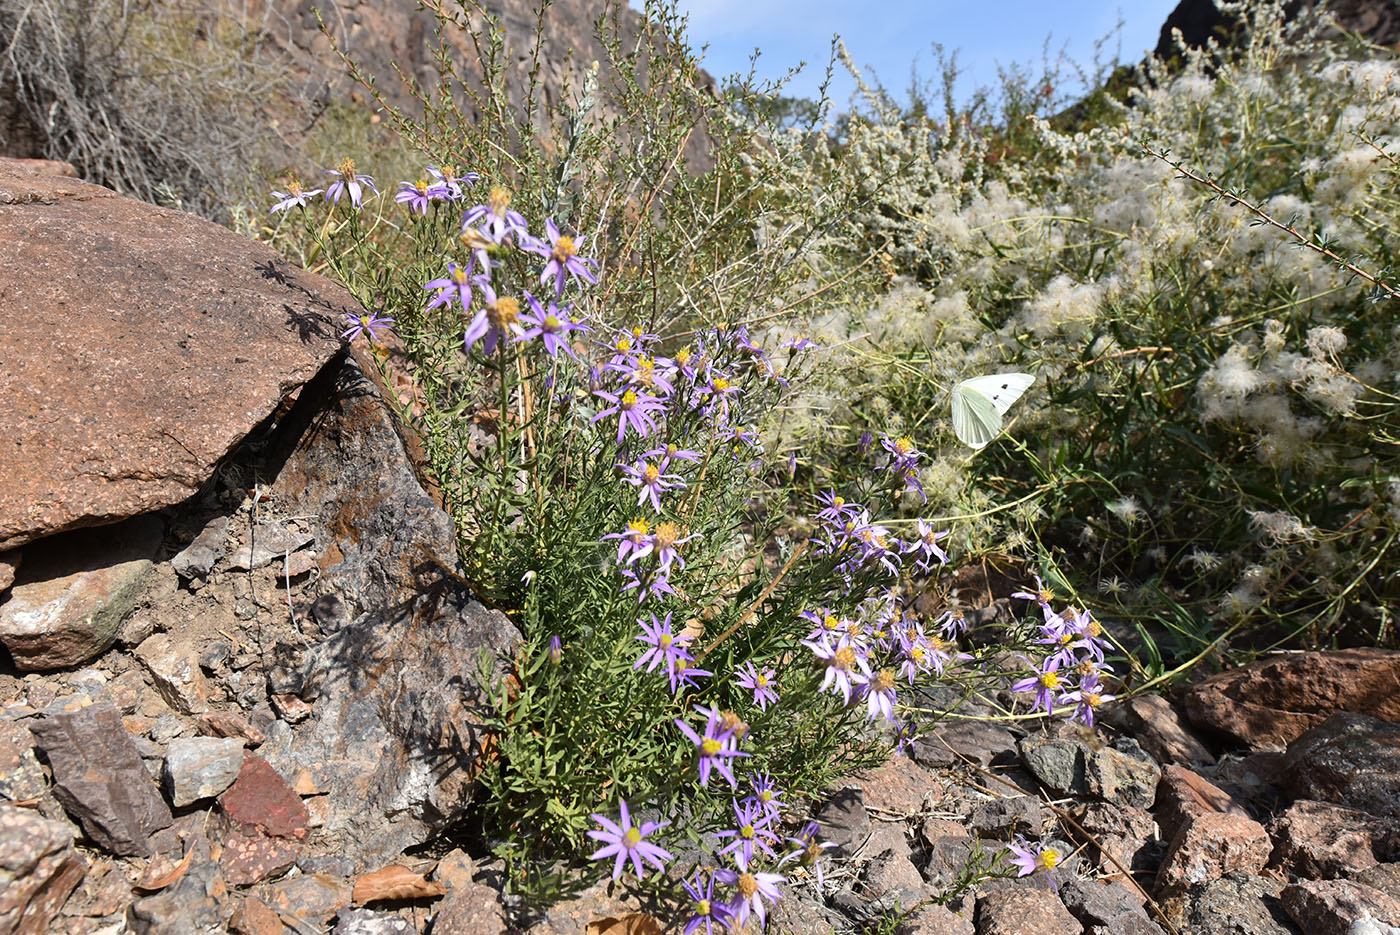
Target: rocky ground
{"type": "Point", "coordinates": [241, 686]}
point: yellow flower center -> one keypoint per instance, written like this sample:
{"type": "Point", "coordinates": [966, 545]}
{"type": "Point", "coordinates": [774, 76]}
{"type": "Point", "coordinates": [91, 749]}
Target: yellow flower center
{"type": "Point", "coordinates": [683, 355]}
{"type": "Point", "coordinates": [294, 189]}
{"type": "Point", "coordinates": [502, 312]}
{"type": "Point", "coordinates": [831, 624]}
{"type": "Point", "coordinates": [623, 345]}
{"type": "Point", "coordinates": [664, 640]}
{"type": "Point", "coordinates": [651, 474]}
{"type": "Point", "coordinates": [1048, 858]}
{"type": "Point", "coordinates": [916, 652]}
{"type": "Point", "coordinates": [903, 445]}
{"type": "Point", "coordinates": [761, 681]}
{"type": "Point", "coordinates": [1065, 639]}
{"type": "Point", "coordinates": [709, 746]}
{"type": "Point", "coordinates": [459, 276]}
{"type": "Point", "coordinates": [347, 168]}
{"type": "Point", "coordinates": [746, 831]}
{"type": "Point", "coordinates": [474, 239]}
{"type": "Point", "coordinates": [884, 681]}
{"type": "Point", "coordinates": [1046, 595]}
{"type": "Point", "coordinates": [1093, 629]}
{"type": "Point", "coordinates": [1087, 668]}
{"type": "Point", "coordinates": [720, 384]}
{"type": "Point", "coordinates": [638, 528]}
{"type": "Point", "coordinates": [1050, 680]}
{"type": "Point", "coordinates": [844, 658]}
{"type": "Point", "coordinates": [734, 724]}
{"type": "Point", "coordinates": [666, 535]}
{"type": "Point", "coordinates": [838, 501]}
{"type": "Point", "coordinates": [632, 838]}
{"type": "Point", "coordinates": [629, 399]}
{"type": "Point", "coordinates": [766, 795]}
{"type": "Point", "coordinates": [563, 249]}
{"type": "Point", "coordinates": [498, 202]}
{"type": "Point", "coordinates": [552, 323]}
{"type": "Point", "coordinates": [1093, 699]}
{"type": "Point", "coordinates": [747, 884]}
{"type": "Point", "coordinates": [702, 907]}
{"type": "Point", "coordinates": [421, 186]}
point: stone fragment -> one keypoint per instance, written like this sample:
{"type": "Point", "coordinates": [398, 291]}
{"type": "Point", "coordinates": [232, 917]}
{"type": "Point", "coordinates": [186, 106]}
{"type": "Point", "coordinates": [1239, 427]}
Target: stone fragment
{"type": "Point", "coordinates": [932, 829]}
{"type": "Point", "coordinates": [1210, 846]}
{"type": "Point", "coordinates": [1318, 840]}
{"type": "Point", "coordinates": [195, 904]}
{"type": "Point", "coordinates": [230, 724]}
{"type": "Point", "coordinates": [368, 922]}
{"type": "Point", "coordinates": [120, 400]}
{"type": "Point", "coordinates": [1238, 904]}
{"type": "Point", "coordinates": [947, 859]}
{"type": "Point", "coordinates": [329, 612]}
{"type": "Point", "coordinates": [843, 819]}
{"type": "Point", "coordinates": [890, 876]}
{"type": "Point", "coordinates": [255, 917]}
{"type": "Point", "coordinates": [949, 743]}
{"type": "Point", "coordinates": [265, 542]}
{"type": "Point", "coordinates": [299, 563]}
{"type": "Point", "coordinates": [9, 564]}
{"type": "Point", "coordinates": [1024, 911]}
{"type": "Point", "coordinates": [1153, 722]}
{"type": "Point", "coordinates": [1330, 907]}
{"type": "Point", "coordinates": [1006, 818]}
{"type": "Point", "coordinates": [38, 869]}
{"type": "Point", "coordinates": [74, 591]}
{"type": "Point", "coordinates": [1384, 877]}
{"type": "Point", "coordinates": [264, 824]}
{"type": "Point", "coordinates": [1351, 760]}
{"type": "Point", "coordinates": [174, 668]}
{"type": "Point", "coordinates": [1270, 704]}
{"type": "Point", "coordinates": [899, 788]}
{"type": "Point", "coordinates": [126, 690]}
{"type": "Point", "coordinates": [1107, 906]}
{"type": "Point", "coordinates": [100, 779]}
{"type": "Point", "coordinates": [200, 768]}
{"type": "Point", "coordinates": [1128, 835]}
{"type": "Point", "coordinates": [470, 908]}
{"type": "Point", "coordinates": [933, 919]}
{"type": "Point", "coordinates": [21, 776]}
{"type": "Point", "coordinates": [310, 900]}
{"type": "Point", "coordinates": [1184, 795]}
{"type": "Point", "coordinates": [198, 558]}
{"type": "Point", "coordinates": [1070, 766]}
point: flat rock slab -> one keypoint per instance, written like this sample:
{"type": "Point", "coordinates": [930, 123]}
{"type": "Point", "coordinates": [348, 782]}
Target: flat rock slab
{"type": "Point", "coordinates": [1351, 760]}
{"type": "Point", "coordinates": [141, 344]}
{"type": "Point", "coordinates": [1269, 704]}
{"type": "Point", "coordinates": [74, 592]}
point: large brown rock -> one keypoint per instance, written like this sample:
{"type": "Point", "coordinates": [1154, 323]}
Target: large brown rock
{"type": "Point", "coordinates": [1349, 759]}
{"type": "Point", "coordinates": [140, 345]}
{"type": "Point", "coordinates": [1272, 703]}
{"type": "Point", "coordinates": [38, 869]}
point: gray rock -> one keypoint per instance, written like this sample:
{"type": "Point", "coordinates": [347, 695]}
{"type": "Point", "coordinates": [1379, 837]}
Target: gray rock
{"type": "Point", "coordinates": [174, 668]}
{"type": "Point", "coordinates": [843, 819]}
{"type": "Point", "coordinates": [367, 922]}
{"type": "Point", "coordinates": [1070, 766]}
{"type": "Point", "coordinates": [1110, 905]}
{"type": "Point", "coordinates": [38, 869]}
{"type": "Point", "coordinates": [1125, 834]}
{"type": "Point", "coordinates": [1005, 818]}
{"type": "Point", "coordinates": [947, 861]}
{"type": "Point", "coordinates": [1238, 904]}
{"type": "Point", "coordinates": [192, 905]}
{"type": "Point", "coordinates": [329, 612]}
{"type": "Point", "coordinates": [979, 741]}
{"type": "Point", "coordinates": [1349, 759]}
{"type": "Point", "coordinates": [1152, 721]}
{"type": "Point", "coordinates": [74, 591]}
{"type": "Point", "coordinates": [1369, 926]}
{"type": "Point", "coordinates": [100, 778]}
{"type": "Point", "coordinates": [200, 768]}
{"type": "Point", "coordinates": [1024, 911]}
{"type": "Point", "coordinates": [1318, 840]}
{"type": "Point", "coordinates": [1330, 907]}
{"type": "Point", "coordinates": [268, 541]}
{"type": "Point", "coordinates": [198, 558]}
{"type": "Point", "coordinates": [166, 728]}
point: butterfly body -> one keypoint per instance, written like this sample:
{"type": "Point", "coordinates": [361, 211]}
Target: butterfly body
{"type": "Point", "coordinates": [980, 403]}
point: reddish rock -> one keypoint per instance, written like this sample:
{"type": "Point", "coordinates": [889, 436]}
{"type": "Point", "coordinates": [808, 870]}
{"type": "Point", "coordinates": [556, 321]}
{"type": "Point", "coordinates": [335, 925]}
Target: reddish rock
{"type": "Point", "coordinates": [1183, 796]}
{"type": "Point", "coordinates": [1210, 846]}
{"type": "Point", "coordinates": [195, 903]}
{"type": "Point", "coordinates": [899, 788]}
{"type": "Point", "coordinates": [1153, 722]}
{"type": "Point", "coordinates": [9, 564]}
{"type": "Point", "coordinates": [311, 899]}
{"type": "Point", "coordinates": [1024, 911]}
{"type": "Point", "coordinates": [38, 869]}
{"type": "Point", "coordinates": [21, 776]}
{"type": "Point", "coordinates": [255, 917]}
{"type": "Point", "coordinates": [1329, 907]}
{"type": "Point", "coordinates": [1349, 759]}
{"type": "Point", "coordinates": [174, 668]}
{"type": "Point", "coordinates": [1274, 702]}
{"type": "Point", "coordinates": [1318, 840]}
{"type": "Point", "coordinates": [470, 909]}
{"type": "Point", "coordinates": [230, 724]}
{"type": "Point", "coordinates": [67, 605]}
{"type": "Point", "coordinates": [1128, 835]}
{"type": "Point", "coordinates": [933, 919]}
{"type": "Point", "coordinates": [141, 344]}
{"type": "Point", "coordinates": [264, 821]}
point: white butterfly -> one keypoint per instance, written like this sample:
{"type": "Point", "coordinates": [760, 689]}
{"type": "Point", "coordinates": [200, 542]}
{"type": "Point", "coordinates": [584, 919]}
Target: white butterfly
{"type": "Point", "coordinates": [979, 404]}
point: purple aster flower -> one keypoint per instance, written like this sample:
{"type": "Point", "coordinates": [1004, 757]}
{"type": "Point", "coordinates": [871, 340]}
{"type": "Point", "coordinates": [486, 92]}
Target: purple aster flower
{"type": "Point", "coordinates": [346, 180]}
{"type": "Point", "coordinates": [799, 343]}
{"type": "Point", "coordinates": [294, 196]}
{"type": "Point", "coordinates": [953, 623]}
{"type": "Point", "coordinates": [417, 195]}
{"type": "Point", "coordinates": [716, 394]}
{"type": "Point", "coordinates": [665, 646]}
{"type": "Point", "coordinates": [927, 544]}
{"type": "Point", "coordinates": [671, 452]}
{"type": "Point", "coordinates": [451, 182]}
{"type": "Point", "coordinates": [630, 542]}
{"type": "Point", "coordinates": [902, 450]}
{"type": "Point", "coordinates": [646, 476]}
{"type": "Point", "coordinates": [497, 220]}
{"type": "Point", "coordinates": [368, 323]}
{"type": "Point", "coordinates": [564, 261]}
{"type": "Point", "coordinates": [866, 440]}
{"type": "Point", "coordinates": [499, 316]}
{"type": "Point", "coordinates": [828, 624]}
{"type": "Point", "coordinates": [664, 542]}
{"type": "Point", "coordinates": [906, 737]}
{"type": "Point", "coordinates": [649, 374]}
{"type": "Point", "coordinates": [714, 755]}
{"type": "Point", "coordinates": [1044, 683]}
{"type": "Point", "coordinates": [457, 284]}
{"type": "Point", "coordinates": [835, 509]}
{"type": "Point", "coordinates": [760, 682]}
{"type": "Point", "coordinates": [750, 831]}
{"type": "Point", "coordinates": [651, 583]}
{"type": "Point", "coordinates": [627, 842]}
{"type": "Point", "coordinates": [1042, 595]}
{"type": "Point", "coordinates": [631, 409]}
{"type": "Point", "coordinates": [683, 674]}
{"type": "Point", "coordinates": [880, 695]}
{"type": "Point", "coordinates": [550, 325]}
{"type": "Point", "coordinates": [556, 650]}
{"type": "Point", "coordinates": [705, 910]}
{"type": "Point", "coordinates": [1028, 859]}
{"type": "Point", "coordinates": [1086, 698]}
{"type": "Point", "coordinates": [751, 889]}
{"type": "Point", "coordinates": [846, 666]}
{"type": "Point", "coordinates": [809, 849]}
{"type": "Point", "coordinates": [767, 794]}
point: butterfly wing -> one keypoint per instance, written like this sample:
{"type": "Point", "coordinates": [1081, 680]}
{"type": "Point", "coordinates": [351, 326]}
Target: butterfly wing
{"type": "Point", "coordinates": [1001, 389]}
{"type": "Point", "coordinates": [976, 420]}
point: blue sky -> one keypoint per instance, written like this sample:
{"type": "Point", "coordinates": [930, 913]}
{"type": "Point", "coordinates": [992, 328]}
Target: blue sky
{"type": "Point", "coordinates": [893, 34]}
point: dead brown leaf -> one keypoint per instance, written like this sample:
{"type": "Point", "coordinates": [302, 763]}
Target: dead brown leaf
{"type": "Point", "coordinates": [394, 883]}
{"type": "Point", "coordinates": [634, 923]}
{"type": "Point", "coordinates": [152, 881]}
